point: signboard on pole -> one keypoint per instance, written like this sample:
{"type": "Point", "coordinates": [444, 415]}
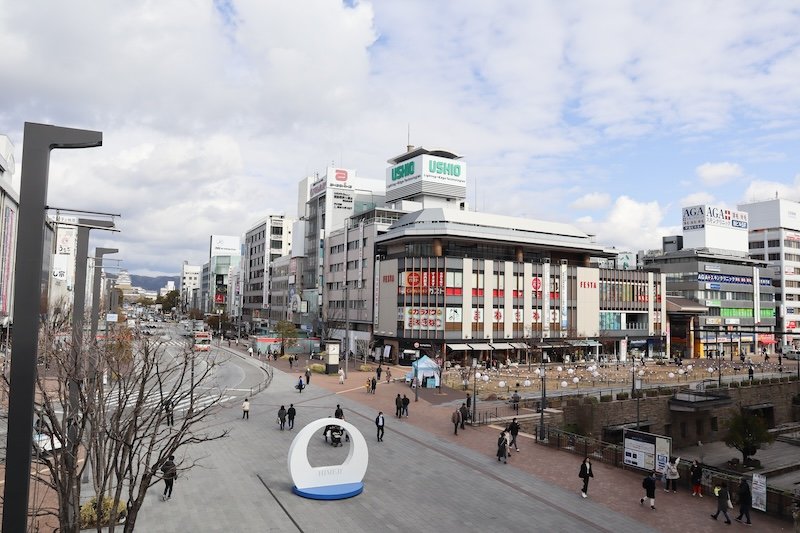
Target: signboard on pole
{"type": "Point", "coordinates": [759, 492]}
{"type": "Point", "coordinates": [647, 451]}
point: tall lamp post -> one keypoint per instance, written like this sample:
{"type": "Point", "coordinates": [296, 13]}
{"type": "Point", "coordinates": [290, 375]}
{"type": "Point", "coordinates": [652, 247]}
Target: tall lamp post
{"type": "Point", "coordinates": [475, 376]}
{"type": "Point", "coordinates": [542, 375]}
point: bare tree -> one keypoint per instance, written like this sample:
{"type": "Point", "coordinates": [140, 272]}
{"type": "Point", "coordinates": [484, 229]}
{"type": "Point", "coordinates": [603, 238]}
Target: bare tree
{"type": "Point", "coordinates": [126, 400]}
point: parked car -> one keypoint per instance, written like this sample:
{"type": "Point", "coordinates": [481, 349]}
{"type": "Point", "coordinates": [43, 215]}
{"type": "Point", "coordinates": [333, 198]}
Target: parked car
{"type": "Point", "coordinates": [792, 354]}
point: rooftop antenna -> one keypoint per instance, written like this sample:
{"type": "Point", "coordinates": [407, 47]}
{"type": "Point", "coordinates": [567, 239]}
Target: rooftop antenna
{"type": "Point", "coordinates": [409, 146]}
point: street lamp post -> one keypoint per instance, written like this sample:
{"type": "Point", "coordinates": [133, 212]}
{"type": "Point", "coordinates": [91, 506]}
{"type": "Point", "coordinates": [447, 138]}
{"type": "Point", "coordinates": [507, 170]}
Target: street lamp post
{"type": "Point", "coordinates": [475, 376]}
{"type": "Point", "coordinates": [544, 399]}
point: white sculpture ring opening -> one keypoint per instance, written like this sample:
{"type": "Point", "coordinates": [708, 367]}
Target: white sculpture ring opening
{"type": "Point", "coordinates": [333, 482]}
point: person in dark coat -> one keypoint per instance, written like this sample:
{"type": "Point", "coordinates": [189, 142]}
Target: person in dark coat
{"type": "Point", "coordinates": [455, 418]}
{"type": "Point", "coordinates": [502, 448]}
{"type": "Point", "coordinates": [170, 472]}
{"type": "Point", "coordinates": [585, 473]}
{"type": "Point", "coordinates": [290, 414]}
{"type": "Point", "coordinates": [404, 403]}
{"type": "Point", "coordinates": [722, 502]}
{"type": "Point", "coordinates": [398, 405]}
{"type": "Point", "coordinates": [649, 486]}
{"type": "Point", "coordinates": [373, 385]}
{"type": "Point", "coordinates": [379, 371]}
{"type": "Point", "coordinates": [464, 413]}
{"type": "Point", "coordinates": [696, 473]}
{"type": "Point", "coordinates": [513, 430]}
{"type": "Point", "coordinates": [745, 501]}
{"type": "Point", "coordinates": [308, 376]}
{"type": "Point", "coordinates": [282, 417]}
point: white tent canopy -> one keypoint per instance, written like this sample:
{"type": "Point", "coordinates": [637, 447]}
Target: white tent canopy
{"type": "Point", "coordinates": [425, 367]}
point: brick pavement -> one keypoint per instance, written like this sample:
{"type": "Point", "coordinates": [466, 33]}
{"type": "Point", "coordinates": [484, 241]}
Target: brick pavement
{"type": "Point", "coordinates": [421, 478]}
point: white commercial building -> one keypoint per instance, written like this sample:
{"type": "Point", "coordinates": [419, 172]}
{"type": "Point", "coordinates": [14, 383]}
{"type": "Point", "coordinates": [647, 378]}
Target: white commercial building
{"type": "Point", "coordinates": [709, 226]}
{"type": "Point", "coordinates": [9, 205]}
{"type": "Point", "coordinates": [775, 238]}
{"type": "Point", "coordinates": [190, 282]}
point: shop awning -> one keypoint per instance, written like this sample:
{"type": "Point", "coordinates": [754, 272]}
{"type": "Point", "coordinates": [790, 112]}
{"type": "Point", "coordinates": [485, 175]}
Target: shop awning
{"type": "Point", "coordinates": [519, 345]}
{"type": "Point", "coordinates": [481, 346]}
{"type": "Point", "coordinates": [502, 346]}
{"type": "Point", "coordinates": [458, 347]}
{"type": "Point", "coordinates": [629, 425]}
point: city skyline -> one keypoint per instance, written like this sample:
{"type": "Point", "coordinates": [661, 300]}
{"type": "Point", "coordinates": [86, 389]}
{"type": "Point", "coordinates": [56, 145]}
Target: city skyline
{"type": "Point", "coordinates": [607, 117]}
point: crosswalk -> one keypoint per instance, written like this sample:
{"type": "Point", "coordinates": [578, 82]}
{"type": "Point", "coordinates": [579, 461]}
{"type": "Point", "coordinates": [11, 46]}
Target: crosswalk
{"type": "Point", "coordinates": [202, 399]}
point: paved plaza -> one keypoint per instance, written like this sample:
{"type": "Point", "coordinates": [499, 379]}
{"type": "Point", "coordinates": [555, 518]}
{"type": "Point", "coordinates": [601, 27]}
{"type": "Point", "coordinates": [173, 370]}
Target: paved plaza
{"type": "Point", "coordinates": [421, 478]}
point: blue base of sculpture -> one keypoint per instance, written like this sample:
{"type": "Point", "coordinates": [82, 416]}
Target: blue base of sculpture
{"type": "Point", "coordinates": [331, 492]}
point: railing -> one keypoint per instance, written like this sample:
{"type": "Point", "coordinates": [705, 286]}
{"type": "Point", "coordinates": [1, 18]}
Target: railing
{"type": "Point", "coordinates": [779, 502]}
{"type": "Point", "coordinates": [268, 371]}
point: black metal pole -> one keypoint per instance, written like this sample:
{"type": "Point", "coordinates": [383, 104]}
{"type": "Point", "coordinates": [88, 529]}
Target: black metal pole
{"type": "Point", "coordinates": [544, 402]}
{"type": "Point", "coordinates": [39, 140]}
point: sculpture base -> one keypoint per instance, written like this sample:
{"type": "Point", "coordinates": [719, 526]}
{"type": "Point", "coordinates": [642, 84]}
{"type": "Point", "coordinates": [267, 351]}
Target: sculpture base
{"type": "Point", "coordinates": [330, 492]}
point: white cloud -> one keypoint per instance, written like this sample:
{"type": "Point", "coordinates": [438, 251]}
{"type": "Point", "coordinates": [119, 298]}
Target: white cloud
{"type": "Point", "coordinates": [630, 225]}
{"type": "Point", "coordinates": [592, 200]}
{"type": "Point", "coordinates": [759, 190]}
{"type": "Point", "coordinates": [713, 174]}
{"type": "Point", "coordinates": [697, 198]}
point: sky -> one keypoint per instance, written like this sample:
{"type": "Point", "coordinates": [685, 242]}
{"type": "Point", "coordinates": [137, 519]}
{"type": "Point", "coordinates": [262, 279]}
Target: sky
{"type": "Point", "coordinates": [607, 115]}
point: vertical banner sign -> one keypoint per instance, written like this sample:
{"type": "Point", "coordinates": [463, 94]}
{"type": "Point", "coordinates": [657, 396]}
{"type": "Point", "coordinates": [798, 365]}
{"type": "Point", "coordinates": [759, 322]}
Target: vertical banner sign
{"type": "Point", "coordinates": [756, 296]}
{"type": "Point", "coordinates": [7, 260]}
{"type": "Point", "coordinates": [265, 286]}
{"type": "Point", "coordinates": [376, 297]}
{"type": "Point", "coordinates": [360, 254]}
{"type": "Point", "coordinates": [759, 492]}
{"type": "Point", "coordinates": [563, 299]}
{"type": "Point", "coordinates": [546, 300]}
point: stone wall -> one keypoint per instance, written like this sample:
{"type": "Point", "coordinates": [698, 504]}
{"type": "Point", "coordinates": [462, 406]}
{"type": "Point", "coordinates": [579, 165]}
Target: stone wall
{"type": "Point", "coordinates": [686, 429]}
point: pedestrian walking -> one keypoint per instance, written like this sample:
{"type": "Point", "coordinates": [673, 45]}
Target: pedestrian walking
{"type": "Point", "coordinates": [379, 423]}
{"type": "Point", "coordinates": [168, 412]}
{"type": "Point", "coordinates": [649, 486]}
{"type": "Point", "coordinates": [300, 385]}
{"type": "Point", "coordinates": [696, 473]}
{"type": "Point", "coordinates": [513, 431]}
{"type": "Point", "coordinates": [388, 375]}
{"type": "Point", "coordinates": [750, 372]}
{"type": "Point", "coordinates": [373, 384]}
{"type": "Point", "coordinates": [290, 414]}
{"type": "Point", "coordinates": [250, 351]}
{"type": "Point", "coordinates": [338, 413]}
{"type": "Point", "coordinates": [246, 409]}
{"type": "Point", "coordinates": [341, 376]}
{"type": "Point", "coordinates": [405, 402]}
{"type": "Point", "coordinates": [398, 405]}
{"type": "Point", "coordinates": [515, 402]}
{"type": "Point", "coordinates": [455, 418]}
{"type": "Point", "coordinates": [282, 417]}
{"type": "Point", "coordinates": [585, 473]}
{"type": "Point", "coordinates": [170, 472]}
{"type": "Point", "coordinates": [723, 501]}
{"type": "Point", "coordinates": [672, 475]}
{"type": "Point", "coordinates": [308, 376]}
{"type": "Point", "coordinates": [291, 362]}
{"type": "Point", "coordinates": [469, 402]}
{"type": "Point", "coordinates": [379, 371]}
{"type": "Point", "coordinates": [745, 501]}
{"type": "Point", "coordinates": [502, 448]}
{"type": "Point", "coordinates": [464, 414]}
{"type": "Point", "coordinates": [368, 386]}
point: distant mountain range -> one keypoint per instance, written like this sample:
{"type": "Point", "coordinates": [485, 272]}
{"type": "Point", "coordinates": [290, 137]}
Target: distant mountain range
{"type": "Point", "coordinates": [154, 283]}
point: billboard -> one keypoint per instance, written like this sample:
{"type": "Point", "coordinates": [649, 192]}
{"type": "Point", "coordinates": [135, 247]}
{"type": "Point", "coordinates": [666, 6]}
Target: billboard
{"type": "Point", "coordinates": [426, 169]}
{"type": "Point", "coordinates": [647, 451]}
{"type": "Point", "coordinates": [708, 226]}
{"type": "Point", "coordinates": [224, 245]}
{"type": "Point", "coordinates": [626, 261]}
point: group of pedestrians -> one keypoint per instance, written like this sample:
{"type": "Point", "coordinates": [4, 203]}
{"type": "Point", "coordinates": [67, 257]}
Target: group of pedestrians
{"type": "Point", "coordinates": [401, 406]}
{"type": "Point", "coordinates": [286, 416]}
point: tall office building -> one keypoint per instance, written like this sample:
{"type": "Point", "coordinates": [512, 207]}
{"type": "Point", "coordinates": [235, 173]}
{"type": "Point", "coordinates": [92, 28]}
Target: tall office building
{"type": "Point", "coordinates": [775, 238]}
{"type": "Point", "coordinates": [190, 281]}
{"type": "Point", "coordinates": [224, 253]}
{"type": "Point", "coordinates": [9, 205]}
{"type": "Point", "coordinates": [264, 242]}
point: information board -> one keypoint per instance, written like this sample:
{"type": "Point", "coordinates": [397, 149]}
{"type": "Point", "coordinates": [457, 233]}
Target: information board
{"type": "Point", "coordinates": [759, 491]}
{"type": "Point", "coordinates": [647, 451]}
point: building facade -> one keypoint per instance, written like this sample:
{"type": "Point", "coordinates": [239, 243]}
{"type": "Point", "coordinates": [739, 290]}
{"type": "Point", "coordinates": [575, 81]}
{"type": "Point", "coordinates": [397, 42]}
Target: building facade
{"type": "Point", "coordinates": [264, 242]}
{"type": "Point", "coordinates": [775, 238]}
{"type": "Point", "coordinates": [190, 282]}
{"type": "Point", "coordinates": [9, 207]}
{"type": "Point", "coordinates": [224, 255]}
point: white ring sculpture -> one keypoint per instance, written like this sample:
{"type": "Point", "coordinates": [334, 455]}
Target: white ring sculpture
{"type": "Point", "coordinates": [334, 482]}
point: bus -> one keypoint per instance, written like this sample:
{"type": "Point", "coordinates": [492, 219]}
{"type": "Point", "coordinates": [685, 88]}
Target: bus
{"type": "Point", "coordinates": [202, 341]}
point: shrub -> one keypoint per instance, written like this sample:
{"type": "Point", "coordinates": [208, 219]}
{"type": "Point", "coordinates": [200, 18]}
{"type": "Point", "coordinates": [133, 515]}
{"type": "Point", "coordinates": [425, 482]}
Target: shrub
{"type": "Point", "coordinates": [89, 513]}
{"type": "Point", "coordinates": [366, 368]}
{"type": "Point", "coordinates": [317, 368]}
{"type": "Point", "coordinates": [734, 384]}
{"type": "Point", "coordinates": [712, 385]}
{"type": "Point", "coordinates": [651, 393]}
{"type": "Point", "coordinates": [775, 380]}
{"type": "Point", "coordinates": [622, 396]}
{"type": "Point", "coordinates": [591, 400]}
{"type": "Point", "coordinates": [605, 398]}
